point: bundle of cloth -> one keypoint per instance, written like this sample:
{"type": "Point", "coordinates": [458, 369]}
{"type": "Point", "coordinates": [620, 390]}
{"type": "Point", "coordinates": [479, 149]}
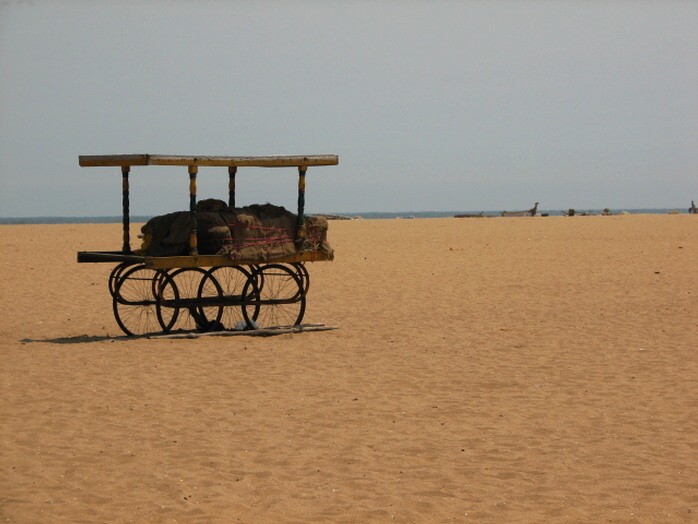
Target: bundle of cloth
{"type": "Point", "coordinates": [261, 232]}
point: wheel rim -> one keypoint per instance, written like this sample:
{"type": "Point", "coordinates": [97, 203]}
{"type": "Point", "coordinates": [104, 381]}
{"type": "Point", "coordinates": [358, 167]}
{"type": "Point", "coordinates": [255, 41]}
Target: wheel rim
{"type": "Point", "coordinates": [167, 299]}
{"type": "Point", "coordinates": [115, 276]}
{"type": "Point", "coordinates": [303, 276]}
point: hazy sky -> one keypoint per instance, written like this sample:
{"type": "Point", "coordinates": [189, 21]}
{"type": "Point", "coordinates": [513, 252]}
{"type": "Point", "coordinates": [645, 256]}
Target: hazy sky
{"type": "Point", "coordinates": [433, 105]}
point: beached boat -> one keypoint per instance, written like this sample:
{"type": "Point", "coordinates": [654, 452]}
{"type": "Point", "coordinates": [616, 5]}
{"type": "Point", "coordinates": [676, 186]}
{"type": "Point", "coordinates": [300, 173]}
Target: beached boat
{"type": "Point", "coordinates": [531, 212]}
{"type": "Point", "coordinates": [470, 215]}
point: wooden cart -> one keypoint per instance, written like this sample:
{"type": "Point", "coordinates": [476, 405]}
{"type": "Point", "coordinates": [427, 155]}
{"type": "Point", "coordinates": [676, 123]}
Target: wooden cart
{"type": "Point", "coordinates": [156, 294]}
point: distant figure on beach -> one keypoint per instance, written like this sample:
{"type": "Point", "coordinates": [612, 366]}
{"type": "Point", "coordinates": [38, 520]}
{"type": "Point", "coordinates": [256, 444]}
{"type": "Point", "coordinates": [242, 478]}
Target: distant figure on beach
{"type": "Point", "coordinates": [533, 210]}
{"type": "Point", "coordinates": [692, 210]}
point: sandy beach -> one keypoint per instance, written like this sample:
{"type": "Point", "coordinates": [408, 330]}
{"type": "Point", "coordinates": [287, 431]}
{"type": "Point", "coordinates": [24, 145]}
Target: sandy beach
{"type": "Point", "coordinates": [538, 369]}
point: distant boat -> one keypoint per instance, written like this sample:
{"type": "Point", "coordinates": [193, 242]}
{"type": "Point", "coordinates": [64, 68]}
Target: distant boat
{"type": "Point", "coordinates": [572, 212]}
{"type": "Point", "coordinates": [470, 215]}
{"type": "Point", "coordinates": [531, 212]}
{"type": "Point", "coordinates": [333, 217]}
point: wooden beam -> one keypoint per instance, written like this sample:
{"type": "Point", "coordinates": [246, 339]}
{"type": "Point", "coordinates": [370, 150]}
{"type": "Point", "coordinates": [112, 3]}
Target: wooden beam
{"type": "Point", "coordinates": [229, 161]}
{"type": "Point", "coordinates": [197, 261]}
{"type": "Point", "coordinates": [259, 332]}
{"type": "Point", "coordinates": [113, 160]}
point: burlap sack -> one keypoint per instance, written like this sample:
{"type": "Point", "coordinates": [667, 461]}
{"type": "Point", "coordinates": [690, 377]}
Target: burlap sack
{"type": "Point", "coordinates": [263, 233]}
{"type": "Point", "coordinates": [257, 232]}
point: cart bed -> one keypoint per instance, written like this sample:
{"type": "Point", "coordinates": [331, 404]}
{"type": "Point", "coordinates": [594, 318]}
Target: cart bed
{"type": "Point", "coordinates": [194, 260]}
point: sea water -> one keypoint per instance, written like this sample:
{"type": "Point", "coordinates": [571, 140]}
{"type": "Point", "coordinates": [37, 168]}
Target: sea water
{"type": "Point", "coordinates": [373, 215]}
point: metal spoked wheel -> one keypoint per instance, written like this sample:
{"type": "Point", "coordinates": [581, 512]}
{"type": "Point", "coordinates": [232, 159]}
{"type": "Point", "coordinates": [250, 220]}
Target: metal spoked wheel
{"type": "Point", "coordinates": [195, 300]}
{"type": "Point", "coordinates": [232, 280]}
{"type": "Point", "coordinates": [274, 297]}
{"type": "Point", "coordinates": [135, 301]}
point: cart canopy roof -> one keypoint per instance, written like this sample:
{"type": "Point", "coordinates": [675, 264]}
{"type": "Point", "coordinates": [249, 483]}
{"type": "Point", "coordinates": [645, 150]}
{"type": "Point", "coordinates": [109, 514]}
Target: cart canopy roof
{"type": "Point", "coordinates": [229, 161]}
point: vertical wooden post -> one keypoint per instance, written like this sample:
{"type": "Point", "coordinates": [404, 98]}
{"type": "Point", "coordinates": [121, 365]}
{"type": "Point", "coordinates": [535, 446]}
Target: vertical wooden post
{"type": "Point", "coordinates": [126, 248]}
{"type": "Point", "coordinates": [193, 248]}
{"type": "Point", "coordinates": [300, 224]}
{"type": "Point", "coordinates": [231, 186]}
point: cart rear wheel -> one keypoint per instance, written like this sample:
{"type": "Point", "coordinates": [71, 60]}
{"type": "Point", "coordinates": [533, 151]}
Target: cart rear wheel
{"type": "Point", "coordinates": [195, 299]}
{"type": "Point", "coordinates": [274, 296]}
{"type": "Point", "coordinates": [135, 301]}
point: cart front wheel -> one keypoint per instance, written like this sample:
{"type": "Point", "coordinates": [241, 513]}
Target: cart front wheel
{"type": "Point", "coordinates": [135, 301]}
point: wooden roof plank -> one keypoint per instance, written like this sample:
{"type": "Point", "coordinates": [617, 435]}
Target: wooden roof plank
{"type": "Point", "coordinates": [186, 160]}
